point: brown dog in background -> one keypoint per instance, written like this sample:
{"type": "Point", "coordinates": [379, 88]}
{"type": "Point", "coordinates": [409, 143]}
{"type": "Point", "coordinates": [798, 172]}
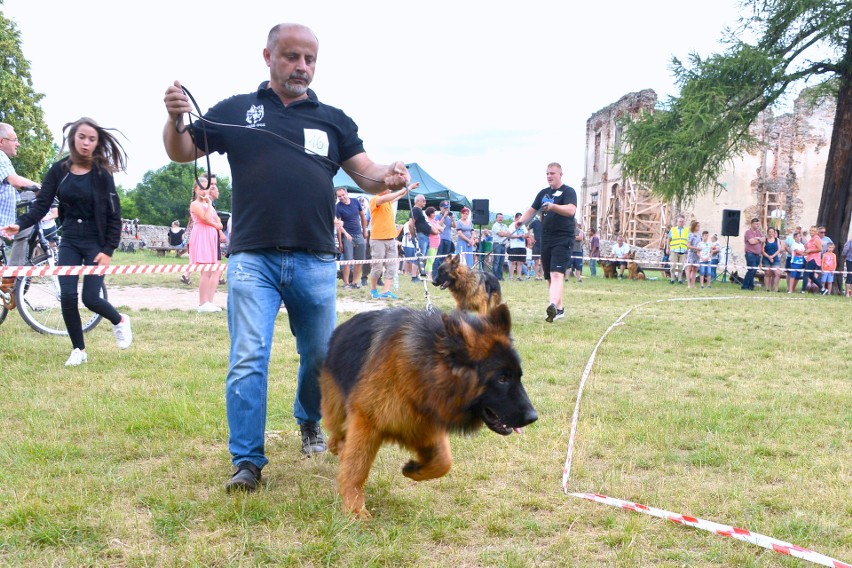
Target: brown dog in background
{"type": "Point", "coordinates": [636, 272]}
{"type": "Point", "coordinates": [473, 290]}
{"type": "Point", "coordinates": [609, 267]}
{"type": "Point", "coordinates": [412, 377]}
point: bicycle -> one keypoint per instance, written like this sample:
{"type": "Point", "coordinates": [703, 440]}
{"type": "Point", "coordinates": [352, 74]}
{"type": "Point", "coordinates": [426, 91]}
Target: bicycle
{"type": "Point", "coordinates": [37, 298]}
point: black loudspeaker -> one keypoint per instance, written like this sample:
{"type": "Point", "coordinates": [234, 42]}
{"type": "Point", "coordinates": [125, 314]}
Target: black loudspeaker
{"type": "Point", "coordinates": [481, 214]}
{"type": "Point", "coordinates": [730, 222]}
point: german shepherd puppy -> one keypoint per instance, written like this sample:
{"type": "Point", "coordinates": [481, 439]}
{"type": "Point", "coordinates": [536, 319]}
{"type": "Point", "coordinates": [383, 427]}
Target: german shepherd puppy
{"type": "Point", "coordinates": [412, 377]}
{"type": "Point", "coordinates": [474, 290]}
{"type": "Point", "coordinates": [636, 272]}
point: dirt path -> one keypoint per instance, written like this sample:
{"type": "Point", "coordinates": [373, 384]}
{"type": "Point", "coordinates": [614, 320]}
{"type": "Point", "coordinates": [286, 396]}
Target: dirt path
{"type": "Point", "coordinates": [139, 298]}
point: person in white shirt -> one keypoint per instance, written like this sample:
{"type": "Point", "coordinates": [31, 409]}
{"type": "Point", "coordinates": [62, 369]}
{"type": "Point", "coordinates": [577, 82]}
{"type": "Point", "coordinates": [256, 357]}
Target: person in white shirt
{"type": "Point", "coordinates": [619, 252]}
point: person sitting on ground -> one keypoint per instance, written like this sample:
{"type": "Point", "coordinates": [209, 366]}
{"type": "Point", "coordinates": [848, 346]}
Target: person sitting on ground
{"type": "Point", "coordinates": [175, 235]}
{"type": "Point", "coordinates": [619, 253]}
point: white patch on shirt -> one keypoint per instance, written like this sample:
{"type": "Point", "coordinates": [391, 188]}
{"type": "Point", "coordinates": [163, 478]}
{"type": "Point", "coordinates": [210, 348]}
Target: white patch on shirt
{"type": "Point", "coordinates": [557, 193]}
{"type": "Point", "coordinates": [316, 141]}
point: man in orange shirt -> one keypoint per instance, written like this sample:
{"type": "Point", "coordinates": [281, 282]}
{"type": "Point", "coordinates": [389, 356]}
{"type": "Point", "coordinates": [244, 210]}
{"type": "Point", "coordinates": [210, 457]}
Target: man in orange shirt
{"type": "Point", "coordinates": [383, 243]}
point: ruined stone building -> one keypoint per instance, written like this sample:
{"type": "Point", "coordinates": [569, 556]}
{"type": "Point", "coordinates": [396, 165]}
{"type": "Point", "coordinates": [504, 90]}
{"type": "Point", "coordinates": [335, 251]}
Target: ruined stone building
{"type": "Point", "coordinates": [780, 182]}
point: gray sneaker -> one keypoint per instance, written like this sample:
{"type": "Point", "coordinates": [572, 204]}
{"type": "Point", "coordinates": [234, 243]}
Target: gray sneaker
{"type": "Point", "coordinates": [313, 441]}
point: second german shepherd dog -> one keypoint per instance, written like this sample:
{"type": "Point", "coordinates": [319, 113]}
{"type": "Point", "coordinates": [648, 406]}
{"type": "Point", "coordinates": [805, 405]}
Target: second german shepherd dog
{"type": "Point", "coordinates": [412, 377]}
{"type": "Point", "coordinates": [473, 290]}
{"type": "Point", "coordinates": [633, 268]}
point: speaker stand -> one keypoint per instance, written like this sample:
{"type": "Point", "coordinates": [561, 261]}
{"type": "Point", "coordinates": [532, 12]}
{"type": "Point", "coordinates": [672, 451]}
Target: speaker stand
{"type": "Point", "coordinates": [478, 256]}
{"type": "Point", "coordinates": [727, 249]}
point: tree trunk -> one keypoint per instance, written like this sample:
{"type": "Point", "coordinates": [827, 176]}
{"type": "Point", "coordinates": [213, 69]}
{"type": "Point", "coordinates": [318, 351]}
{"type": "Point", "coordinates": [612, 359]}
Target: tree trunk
{"type": "Point", "coordinates": [835, 207]}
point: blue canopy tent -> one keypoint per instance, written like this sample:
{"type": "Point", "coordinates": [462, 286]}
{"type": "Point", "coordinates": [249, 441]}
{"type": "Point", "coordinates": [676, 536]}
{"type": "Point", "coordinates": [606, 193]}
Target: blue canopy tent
{"type": "Point", "coordinates": [432, 189]}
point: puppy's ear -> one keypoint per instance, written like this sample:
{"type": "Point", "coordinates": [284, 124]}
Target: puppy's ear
{"type": "Point", "coordinates": [460, 339]}
{"type": "Point", "coordinates": [500, 318]}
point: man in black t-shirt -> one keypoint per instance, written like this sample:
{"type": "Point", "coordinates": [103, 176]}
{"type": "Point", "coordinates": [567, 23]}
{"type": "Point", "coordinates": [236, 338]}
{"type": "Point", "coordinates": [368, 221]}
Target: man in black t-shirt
{"type": "Point", "coordinates": [558, 204]}
{"type": "Point", "coordinates": [418, 225]}
{"type": "Point", "coordinates": [284, 147]}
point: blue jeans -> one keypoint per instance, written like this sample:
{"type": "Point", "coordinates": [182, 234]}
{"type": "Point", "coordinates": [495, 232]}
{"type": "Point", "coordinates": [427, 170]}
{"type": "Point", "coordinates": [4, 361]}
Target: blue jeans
{"type": "Point", "coordinates": [423, 243]}
{"type": "Point", "coordinates": [499, 256]}
{"type": "Point", "coordinates": [752, 260]}
{"type": "Point", "coordinates": [258, 281]}
{"type": "Point", "coordinates": [714, 265]}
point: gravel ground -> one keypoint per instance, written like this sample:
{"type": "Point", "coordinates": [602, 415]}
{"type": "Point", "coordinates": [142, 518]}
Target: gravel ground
{"type": "Point", "coordinates": [139, 298]}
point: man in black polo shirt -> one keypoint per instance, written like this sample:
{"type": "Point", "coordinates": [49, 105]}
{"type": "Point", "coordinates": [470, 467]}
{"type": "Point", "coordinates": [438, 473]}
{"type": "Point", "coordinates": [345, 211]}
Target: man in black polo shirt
{"type": "Point", "coordinates": [558, 204]}
{"type": "Point", "coordinates": [284, 147]}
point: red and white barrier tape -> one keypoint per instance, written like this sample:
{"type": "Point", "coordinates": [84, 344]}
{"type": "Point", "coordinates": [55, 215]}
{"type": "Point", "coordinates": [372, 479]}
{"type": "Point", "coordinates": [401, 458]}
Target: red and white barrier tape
{"type": "Point", "coordinates": [14, 271]}
{"type": "Point", "coordinates": [724, 530]}
{"type": "Point", "coordinates": [763, 541]}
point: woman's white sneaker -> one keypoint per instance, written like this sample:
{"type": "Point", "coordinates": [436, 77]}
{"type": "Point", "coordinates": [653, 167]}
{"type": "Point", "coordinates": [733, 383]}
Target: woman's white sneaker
{"type": "Point", "coordinates": [208, 307]}
{"type": "Point", "coordinates": [122, 332]}
{"type": "Point", "coordinates": [77, 357]}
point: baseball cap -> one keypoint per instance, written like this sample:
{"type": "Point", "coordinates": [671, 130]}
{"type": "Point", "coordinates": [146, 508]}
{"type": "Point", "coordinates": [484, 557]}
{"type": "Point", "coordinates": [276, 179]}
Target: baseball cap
{"type": "Point", "coordinates": [445, 204]}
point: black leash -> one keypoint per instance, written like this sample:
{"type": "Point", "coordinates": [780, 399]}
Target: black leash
{"type": "Point", "coordinates": [181, 128]}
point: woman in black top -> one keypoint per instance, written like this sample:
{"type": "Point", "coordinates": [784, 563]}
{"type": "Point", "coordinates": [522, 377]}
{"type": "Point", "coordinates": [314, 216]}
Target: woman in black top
{"type": "Point", "coordinates": [176, 234]}
{"type": "Point", "coordinates": [90, 217]}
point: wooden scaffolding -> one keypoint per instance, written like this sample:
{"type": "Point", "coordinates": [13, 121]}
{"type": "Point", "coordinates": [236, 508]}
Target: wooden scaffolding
{"type": "Point", "coordinates": [635, 214]}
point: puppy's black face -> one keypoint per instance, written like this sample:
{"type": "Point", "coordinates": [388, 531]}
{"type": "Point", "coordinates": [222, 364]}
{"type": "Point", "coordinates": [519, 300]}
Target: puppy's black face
{"type": "Point", "coordinates": [445, 276]}
{"type": "Point", "coordinates": [504, 406]}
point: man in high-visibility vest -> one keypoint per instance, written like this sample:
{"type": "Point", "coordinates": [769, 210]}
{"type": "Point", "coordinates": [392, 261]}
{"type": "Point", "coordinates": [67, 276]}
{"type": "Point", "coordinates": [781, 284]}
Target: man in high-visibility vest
{"type": "Point", "coordinates": [678, 237]}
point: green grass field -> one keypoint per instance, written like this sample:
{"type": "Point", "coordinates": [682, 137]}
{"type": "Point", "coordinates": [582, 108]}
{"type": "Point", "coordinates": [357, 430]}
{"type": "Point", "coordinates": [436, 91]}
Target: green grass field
{"type": "Point", "coordinates": [734, 410]}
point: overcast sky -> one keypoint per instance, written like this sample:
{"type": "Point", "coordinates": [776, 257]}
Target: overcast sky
{"type": "Point", "coordinates": [481, 96]}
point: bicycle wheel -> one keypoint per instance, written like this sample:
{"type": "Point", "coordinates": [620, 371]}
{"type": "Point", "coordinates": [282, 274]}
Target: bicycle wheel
{"type": "Point", "coordinates": [38, 302]}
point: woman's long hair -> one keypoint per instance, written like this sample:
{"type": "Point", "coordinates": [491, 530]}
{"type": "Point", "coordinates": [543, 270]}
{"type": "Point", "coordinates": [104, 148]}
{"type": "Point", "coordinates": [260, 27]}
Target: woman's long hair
{"type": "Point", "coordinates": [109, 154]}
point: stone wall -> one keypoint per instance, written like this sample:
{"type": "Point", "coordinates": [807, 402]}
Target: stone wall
{"type": "Point", "coordinates": [151, 235]}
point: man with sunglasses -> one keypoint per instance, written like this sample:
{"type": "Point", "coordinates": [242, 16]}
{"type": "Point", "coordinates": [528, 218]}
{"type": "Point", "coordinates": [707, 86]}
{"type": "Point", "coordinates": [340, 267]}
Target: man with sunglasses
{"type": "Point", "coordinates": [10, 184]}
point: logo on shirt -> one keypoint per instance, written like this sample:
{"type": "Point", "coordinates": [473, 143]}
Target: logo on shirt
{"type": "Point", "coordinates": [254, 116]}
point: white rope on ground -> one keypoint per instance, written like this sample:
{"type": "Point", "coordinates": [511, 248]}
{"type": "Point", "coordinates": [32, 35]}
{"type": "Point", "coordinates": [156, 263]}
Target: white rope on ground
{"type": "Point", "coordinates": [763, 541]}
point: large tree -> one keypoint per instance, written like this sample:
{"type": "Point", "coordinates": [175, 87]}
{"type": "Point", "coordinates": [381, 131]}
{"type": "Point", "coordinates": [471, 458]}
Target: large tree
{"type": "Point", "coordinates": [164, 195]}
{"type": "Point", "coordinates": [19, 104]}
{"type": "Point", "coordinates": [681, 150]}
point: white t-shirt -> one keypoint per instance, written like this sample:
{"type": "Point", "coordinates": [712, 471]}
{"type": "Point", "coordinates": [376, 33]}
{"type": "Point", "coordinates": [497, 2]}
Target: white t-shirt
{"type": "Point", "coordinates": [620, 251]}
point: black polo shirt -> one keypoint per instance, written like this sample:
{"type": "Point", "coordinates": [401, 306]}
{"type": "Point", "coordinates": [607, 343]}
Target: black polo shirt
{"type": "Point", "coordinates": [282, 194]}
{"type": "Point", "coordinates": [557, 228]}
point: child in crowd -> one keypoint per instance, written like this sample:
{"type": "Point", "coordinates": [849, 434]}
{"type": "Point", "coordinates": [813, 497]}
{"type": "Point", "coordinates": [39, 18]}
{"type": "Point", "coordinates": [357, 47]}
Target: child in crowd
{"type": "Point", "coordinates": [829, 265]}
{"type": "Point", "coordinates": [797, 262]}
{"type": "Point", "coordinates": [704, 254]}
{"type": "Point", "coordinates": [715, 257]}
